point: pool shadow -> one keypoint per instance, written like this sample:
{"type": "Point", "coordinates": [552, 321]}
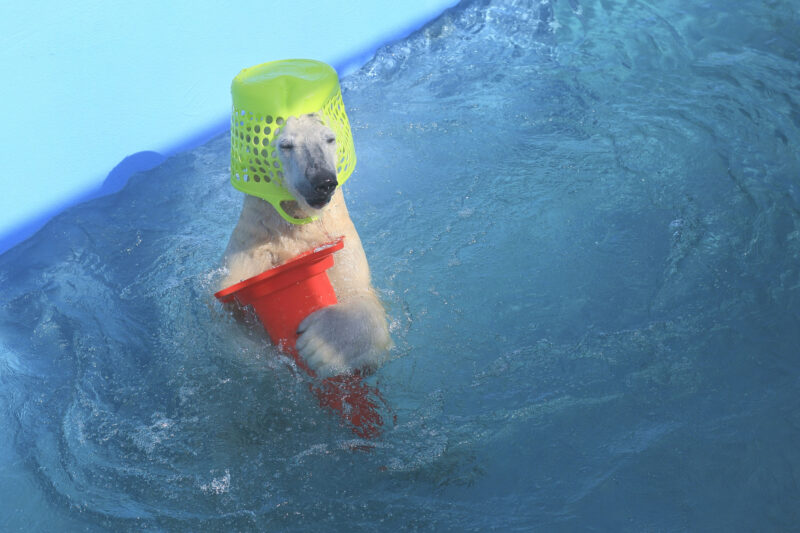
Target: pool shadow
{"type": "Point", "coordinates": [120, 174]}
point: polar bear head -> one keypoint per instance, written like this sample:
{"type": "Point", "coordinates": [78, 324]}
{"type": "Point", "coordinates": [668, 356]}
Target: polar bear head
{"type": "Point", "coordinates": [307, 150]}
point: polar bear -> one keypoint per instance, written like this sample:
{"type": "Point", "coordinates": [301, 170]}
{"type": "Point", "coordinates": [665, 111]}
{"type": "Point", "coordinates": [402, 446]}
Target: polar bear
{"type": "Point", "coordinates": [353, 334]}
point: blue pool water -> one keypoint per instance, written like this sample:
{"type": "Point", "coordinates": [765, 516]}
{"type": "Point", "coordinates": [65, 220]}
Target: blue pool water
{"type": "Point", "coordinates": [584, 218]}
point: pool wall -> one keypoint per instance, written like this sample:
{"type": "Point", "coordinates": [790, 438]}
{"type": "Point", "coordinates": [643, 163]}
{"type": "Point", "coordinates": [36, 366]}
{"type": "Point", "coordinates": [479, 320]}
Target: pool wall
{"type": "Point", "coordinates": [96, 91]}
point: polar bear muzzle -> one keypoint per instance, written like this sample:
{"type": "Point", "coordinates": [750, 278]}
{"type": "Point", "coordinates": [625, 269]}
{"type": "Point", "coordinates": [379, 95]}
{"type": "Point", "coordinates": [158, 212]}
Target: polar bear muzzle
{"type": "Point", "coordinates": [324, 183]}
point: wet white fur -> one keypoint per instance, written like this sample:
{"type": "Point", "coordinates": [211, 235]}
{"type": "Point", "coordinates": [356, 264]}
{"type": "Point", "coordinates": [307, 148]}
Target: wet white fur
{"type": "Point", "coordinates": [352, 334]}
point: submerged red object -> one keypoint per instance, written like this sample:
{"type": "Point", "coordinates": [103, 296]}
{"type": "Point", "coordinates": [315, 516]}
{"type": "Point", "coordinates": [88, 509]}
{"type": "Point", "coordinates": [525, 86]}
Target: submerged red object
{"type": "Point", "coordinates": [285, 295]}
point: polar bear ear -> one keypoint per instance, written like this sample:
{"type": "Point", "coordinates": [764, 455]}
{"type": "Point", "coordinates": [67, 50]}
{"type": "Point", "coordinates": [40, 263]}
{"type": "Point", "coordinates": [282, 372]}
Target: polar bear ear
{"type": "Point", "coordinates": [320, 118]}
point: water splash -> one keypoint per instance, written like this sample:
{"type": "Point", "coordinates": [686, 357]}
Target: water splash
{"type": "Point", "coordinates": [583, 218]}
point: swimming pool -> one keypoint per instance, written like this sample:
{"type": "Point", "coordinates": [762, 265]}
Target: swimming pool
{"type": "Point", "coordinates": [583, 219]}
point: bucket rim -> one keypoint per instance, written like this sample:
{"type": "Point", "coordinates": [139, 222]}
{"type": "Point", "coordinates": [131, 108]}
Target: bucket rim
{"type": "Point", "coordinates": [318, 253]}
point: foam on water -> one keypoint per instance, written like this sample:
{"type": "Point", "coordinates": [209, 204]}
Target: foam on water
{"type": "Point", "coordinates": [584, 218]}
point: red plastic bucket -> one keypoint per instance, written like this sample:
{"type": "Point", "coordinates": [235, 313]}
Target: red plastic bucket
{"type": "Point", "coordinates": [285, 295]}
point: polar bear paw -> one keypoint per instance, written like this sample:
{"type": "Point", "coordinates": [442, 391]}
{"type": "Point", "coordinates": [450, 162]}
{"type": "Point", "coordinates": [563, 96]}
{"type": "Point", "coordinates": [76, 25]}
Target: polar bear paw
{"type": "Point", "coordinates": [344, 337]}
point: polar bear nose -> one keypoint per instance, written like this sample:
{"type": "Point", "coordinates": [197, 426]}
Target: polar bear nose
{"type": "Point", "coordinates": [324, 182]}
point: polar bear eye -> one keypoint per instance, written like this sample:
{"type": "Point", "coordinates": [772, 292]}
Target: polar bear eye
{"type": "Point", "coordinates": [331, 139]}
{"type": "Point", "coordinates": [286, 144]}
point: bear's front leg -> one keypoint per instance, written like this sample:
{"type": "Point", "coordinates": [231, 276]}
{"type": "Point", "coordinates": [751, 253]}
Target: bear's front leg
{"type": "Point", "coordinates": [348, 336]}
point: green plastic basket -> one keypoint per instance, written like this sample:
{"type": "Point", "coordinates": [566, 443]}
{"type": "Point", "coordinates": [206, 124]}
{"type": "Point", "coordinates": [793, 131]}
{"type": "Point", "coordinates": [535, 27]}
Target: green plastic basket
{"type": "Point", "coordinates": [264, 97]}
